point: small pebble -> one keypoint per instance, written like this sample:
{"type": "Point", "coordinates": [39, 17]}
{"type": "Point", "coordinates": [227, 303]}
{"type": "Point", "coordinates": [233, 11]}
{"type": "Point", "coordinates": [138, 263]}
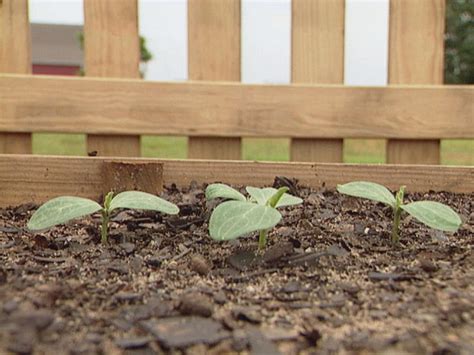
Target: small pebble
{"type": "Point", "coordinates": [428, 265]}
{"type": "Point", "coordinates": [154, 262]}
{"type": "Point", "coordinates": [128, 247]}
{"type": "Point", "coordinates": [195, 304]}
{"type": "Point", "coordinates": [199, 264]}
{"type": "Point", "coordinates": [10, 306]}
{"type": "Point", "coordinates": [3, 276]}
{"type": "Point", "coordinates": [220, 297]}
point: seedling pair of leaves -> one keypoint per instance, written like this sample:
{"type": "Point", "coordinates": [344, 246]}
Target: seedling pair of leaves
{"type": "Point", "coordinates": [434, 214]}
{"type": "Point", "coordinates": [241, 215]}
{"type": "Point", "coordinates": [62, 209]}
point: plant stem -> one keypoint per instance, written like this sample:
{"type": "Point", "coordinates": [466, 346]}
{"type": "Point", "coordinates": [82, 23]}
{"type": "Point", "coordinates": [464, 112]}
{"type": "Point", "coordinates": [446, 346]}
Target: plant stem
{"type": "Point", "coordinates": [105, 224]}
{"type": "Point", "coordinates": [272, 202]}
{"type": "Point", "coordinates": [262, 239]}
{"type": "Point", "coordinates": [397, 212]}
{"type": "Point", "coordinates": [396, 225]}
{"type": "Point", "coordinates": [105, 218]}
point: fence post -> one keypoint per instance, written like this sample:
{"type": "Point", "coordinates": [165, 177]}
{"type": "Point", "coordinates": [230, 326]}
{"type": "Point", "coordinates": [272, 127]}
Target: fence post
{"type": "Point", "coordinates": [214, 54]}
{"type": "Point", "coordinates": [317, 56]}
{"type": "Point", "coordinates": [15, 57]}
{"type": "Point", "coordinates": [416, 56]}
{"type": "Point", "coordinates": [112, 49]}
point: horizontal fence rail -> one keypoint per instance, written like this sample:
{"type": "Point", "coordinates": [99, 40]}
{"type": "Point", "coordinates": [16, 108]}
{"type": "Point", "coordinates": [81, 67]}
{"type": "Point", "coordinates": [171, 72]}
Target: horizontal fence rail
{"type": "Point", "coordinates": [38, 178]}
{"type": "Point", "coordinates": [134, 107]}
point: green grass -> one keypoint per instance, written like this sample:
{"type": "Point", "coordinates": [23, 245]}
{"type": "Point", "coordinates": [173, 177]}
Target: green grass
{"type": "Point", "coordinates": [59, 144]}
{"type": "Point", "coordinates": [164, 147]}
{"type": "Point", "coordinates": [266, 149]}
{"type": "Point", "coordinates": [453, 152]}
{"type": "Point", "coordinates": [370, 151]}
{"type": "Point", "coordinates": [457, 152]}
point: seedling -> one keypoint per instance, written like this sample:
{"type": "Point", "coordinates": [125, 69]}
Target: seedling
{"type": "Point", "coordinates": [62, 209]}
{"type": "Point", "coordinates": [433, 214]}
{"type": "Point", "coordinates": [235, 218]}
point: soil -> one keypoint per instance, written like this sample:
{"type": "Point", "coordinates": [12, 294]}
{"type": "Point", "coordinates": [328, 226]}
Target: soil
{"type": "Point", "coordinates": [328, 282]}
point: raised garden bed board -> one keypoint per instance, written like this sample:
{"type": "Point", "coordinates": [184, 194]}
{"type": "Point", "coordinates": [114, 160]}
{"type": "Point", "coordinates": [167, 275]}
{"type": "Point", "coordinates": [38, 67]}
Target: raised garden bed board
{"type": "Point", "coordinates": [29, 178]}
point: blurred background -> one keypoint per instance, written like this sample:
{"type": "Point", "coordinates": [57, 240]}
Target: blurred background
{"type": "Point", "coordinates": [56, 27]}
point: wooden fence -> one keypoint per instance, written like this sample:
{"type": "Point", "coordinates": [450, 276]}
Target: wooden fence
{"type": "Point", "coordinates": [213, 109]}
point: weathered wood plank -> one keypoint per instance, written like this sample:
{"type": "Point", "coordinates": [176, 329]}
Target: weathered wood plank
{"type": "Point", "coordinates": [416, 57]}
{"type": "Point", "coordinates": [227, 148]}
{"type": "Point", "coordinates": [214, 54]}
{"type": "Point", "coordinates": [112, 49]}
{"type": "Point", "coordinates": [410, 151]}
{"type": "Point", "coordinates": [26, 178]}
{"type": "Point", "coordinates": [317, 150]}
{"type": "Point", "coordinates": [15, 143]}
{"type": "Point", "coordinates": [114, 145]}
{"type": "Point", "coordinates": [15, 57]}
{"type": "Point", "coordinates": [317, 56]}
{"type": "Point", "coordinates": [118, 106]}
{"type": "Point", "coordinates": [15, 38]}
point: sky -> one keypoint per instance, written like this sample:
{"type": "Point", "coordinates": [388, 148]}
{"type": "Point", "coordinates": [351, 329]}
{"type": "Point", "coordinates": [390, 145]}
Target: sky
{"type": "Point", "coordinates": [266, 37]}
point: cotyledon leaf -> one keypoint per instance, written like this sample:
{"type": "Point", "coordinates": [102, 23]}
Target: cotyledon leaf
{"type": "Point", "coordinates": [233, 219]}
{"type": "Point", "coordinates": [142, 201]}
{"type": "Point", "coordinates": [261, 196]}
{"type": "Point", "coordinates": [434, 214]}
{"type": "Point", "coordinates": [60, 210]}
{"type": "Point", "coordinates": [223, 191]}
{"type": "Point", "coordinates": [368, 190]}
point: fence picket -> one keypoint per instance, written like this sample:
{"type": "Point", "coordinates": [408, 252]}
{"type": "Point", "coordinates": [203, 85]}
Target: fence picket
{"type": "Point", "coordinates": [317, 57]}
{"type": "Point", "coordinates": [416, 52]}
{"type": "Point", "coordinates": [214, 54]}
{"type": "Point", "coordinates": [112, 49]}
{"type": "Point", "coordinates": [15, 57]}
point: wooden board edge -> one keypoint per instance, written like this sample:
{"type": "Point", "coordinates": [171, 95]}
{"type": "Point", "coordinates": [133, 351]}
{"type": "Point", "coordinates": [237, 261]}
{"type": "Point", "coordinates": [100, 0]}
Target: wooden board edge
{"type": "Point", "coordinates": [30, 178]}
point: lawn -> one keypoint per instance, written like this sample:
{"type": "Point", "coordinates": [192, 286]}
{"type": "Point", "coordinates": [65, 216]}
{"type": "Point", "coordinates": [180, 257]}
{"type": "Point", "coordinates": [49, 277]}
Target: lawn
{"type": "Point", "coordinates": [453, 152]}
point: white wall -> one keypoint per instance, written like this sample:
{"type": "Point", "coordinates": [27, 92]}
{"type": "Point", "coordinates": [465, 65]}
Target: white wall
{"type": "Point", "coordinates": [164, 25]}
{"type": "Point", "coordinates": [266, 36]}
{"type": "Point", "coordinates": [68, 12]}
{"type": "Point", "coordinates": [266, 41]}
{"type": "Point", "coordinates": [366, 42]}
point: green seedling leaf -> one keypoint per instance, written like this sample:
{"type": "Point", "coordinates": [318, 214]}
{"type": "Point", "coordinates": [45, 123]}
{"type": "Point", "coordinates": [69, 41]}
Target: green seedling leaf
{"type": "Point", "coordinates": [142, 201]}
{"type": "Point", "coordinates": [369, 190]}
{"type": "Point", "coordinates": [223, 191]}
{"type": "Point", "coordinates": [233, 219]}
{"type": "Point", "coordinates": [60, 210]}
{"type": "Point", "coordinates": [261, 196]}
{"type": "Point", "coordinates": [434, 214]}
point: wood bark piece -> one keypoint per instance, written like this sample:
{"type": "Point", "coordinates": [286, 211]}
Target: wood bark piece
{"type": "Point", "coordinates": [121, 176]}
{"type": "Point", "coordinates": [181, 332]}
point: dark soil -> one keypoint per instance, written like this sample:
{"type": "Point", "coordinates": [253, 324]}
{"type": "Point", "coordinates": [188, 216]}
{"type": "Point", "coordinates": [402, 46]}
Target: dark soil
{"type": "Point", "coordinates": [329, 282]}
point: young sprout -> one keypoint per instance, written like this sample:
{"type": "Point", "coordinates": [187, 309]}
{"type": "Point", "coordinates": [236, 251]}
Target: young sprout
{"type": "Point", "coordinates": [433, 214]}
{"type": "Point", "coordinates": [62, 209]}
{"type": "Point", "coordinates": [232, 219]}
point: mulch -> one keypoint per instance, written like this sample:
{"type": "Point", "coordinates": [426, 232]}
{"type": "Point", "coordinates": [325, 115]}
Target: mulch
{"type": "Point", "coordinates": [328, 282]}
